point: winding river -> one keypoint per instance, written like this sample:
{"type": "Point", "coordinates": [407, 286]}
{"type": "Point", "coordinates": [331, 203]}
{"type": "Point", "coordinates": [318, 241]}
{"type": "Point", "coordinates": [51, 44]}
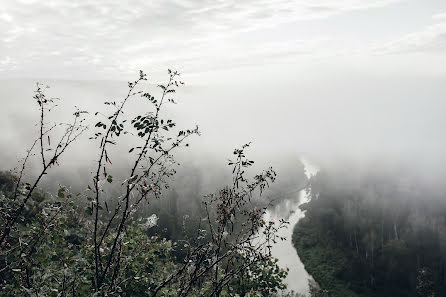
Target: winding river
{"type": "Point", "coordinates": [298, 278]}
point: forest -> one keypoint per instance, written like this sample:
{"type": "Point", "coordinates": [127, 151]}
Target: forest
{"type": "Point", "coordinates": [375, 232]}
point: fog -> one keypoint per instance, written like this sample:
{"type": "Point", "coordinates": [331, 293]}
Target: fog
{"type": "Point", "coordinates": [352, 116]}
{"type": "Point", "coordinates": [351, 80]}
{"type": "Point", "coordinates": [346, 100]}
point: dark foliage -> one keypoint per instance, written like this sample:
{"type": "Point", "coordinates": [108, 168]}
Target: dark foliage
{"type": "Point", "coordinates": [98, 243]}
{"type": "Point", "coordinates": [374, 234]}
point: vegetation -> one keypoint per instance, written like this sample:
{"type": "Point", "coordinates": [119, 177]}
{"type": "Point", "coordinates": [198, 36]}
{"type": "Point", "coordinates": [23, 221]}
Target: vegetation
{"type": "Point", "coordinates": [97, 243]}
{"type": "Point", "coordinates": [374, 234]}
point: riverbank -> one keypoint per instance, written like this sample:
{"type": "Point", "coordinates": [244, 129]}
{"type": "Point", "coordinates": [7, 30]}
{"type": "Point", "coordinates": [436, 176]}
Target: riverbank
{"type": "Point", "coordinates": [321, 261]}
{"type": "Point", "coordinates": [289, 209]}
{"type": "Point", "coordinates": [374, 233]}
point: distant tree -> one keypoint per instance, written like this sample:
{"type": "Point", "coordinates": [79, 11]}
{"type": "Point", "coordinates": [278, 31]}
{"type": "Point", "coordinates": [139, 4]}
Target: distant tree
{"type": "Point", "coordinates": [425, 283]}
{"type": "Point", "coordinates": [365, 234]}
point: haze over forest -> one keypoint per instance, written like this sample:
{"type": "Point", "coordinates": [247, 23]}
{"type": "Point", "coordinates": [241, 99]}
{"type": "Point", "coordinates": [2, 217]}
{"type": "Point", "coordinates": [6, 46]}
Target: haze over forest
{"type": "Point", "coordinates": [353, 88]}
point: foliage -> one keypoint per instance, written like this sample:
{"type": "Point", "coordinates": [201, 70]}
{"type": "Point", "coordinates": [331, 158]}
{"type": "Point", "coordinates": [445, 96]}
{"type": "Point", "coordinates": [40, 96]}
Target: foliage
{"type": "Point", "coordinates": [374, 234]}
{"type": "Point", "coordinates": [92, 244]}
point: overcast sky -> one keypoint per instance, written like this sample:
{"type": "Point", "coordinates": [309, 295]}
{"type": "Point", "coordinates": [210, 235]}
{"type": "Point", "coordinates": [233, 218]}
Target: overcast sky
{"type": "Point", "coordinates": [352, 76]}
{"type": "Point", "coordinates": [99, 39]}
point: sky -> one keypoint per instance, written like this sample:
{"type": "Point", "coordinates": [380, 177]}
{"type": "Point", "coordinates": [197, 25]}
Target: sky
{"type": "Point", "coordinates": [348, 76]}
{"type": "Point", "coordinates": [90, 39]}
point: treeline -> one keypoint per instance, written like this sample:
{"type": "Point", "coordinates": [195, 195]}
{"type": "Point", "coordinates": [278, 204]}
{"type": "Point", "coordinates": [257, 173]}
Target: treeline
{"type": "Point", "coordinates": [181, 206]}
{"type": "Point", "coordinates": [375, 233]}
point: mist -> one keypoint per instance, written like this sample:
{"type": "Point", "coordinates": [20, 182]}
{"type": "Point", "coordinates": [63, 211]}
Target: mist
{"type": "Point", "coordinates": [353, 116]}
{"type": "Point", "coordinates": [344, 100]}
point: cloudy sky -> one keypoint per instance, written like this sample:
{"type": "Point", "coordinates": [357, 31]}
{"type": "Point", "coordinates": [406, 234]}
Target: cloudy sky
{"type": "Point", "coordinates": [351, 76]}
{"type": "Point", "coordinates": [106, 39]}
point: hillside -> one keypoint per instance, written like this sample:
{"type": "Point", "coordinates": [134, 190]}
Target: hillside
{"type": "Point", "coordinates": [374, 234]}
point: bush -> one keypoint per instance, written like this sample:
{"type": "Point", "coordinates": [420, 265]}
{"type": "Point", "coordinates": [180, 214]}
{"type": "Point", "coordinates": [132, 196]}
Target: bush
{"type": "Point", "coordinates": [91, 244]}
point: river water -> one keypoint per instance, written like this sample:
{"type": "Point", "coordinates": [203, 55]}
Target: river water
{"type": "Point", "coordinates": [298, 278]}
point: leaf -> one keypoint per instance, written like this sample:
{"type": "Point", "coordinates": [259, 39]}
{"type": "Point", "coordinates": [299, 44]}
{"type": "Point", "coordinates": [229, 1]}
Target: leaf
{"type": "Point", "coordinates": [133, 178]}
{"type": "Point", "coordinates": [89, 211]}
{"type": "Point", "coordinates": [110, 179]}
{"type": "Point", "coordinates": [60, 193]}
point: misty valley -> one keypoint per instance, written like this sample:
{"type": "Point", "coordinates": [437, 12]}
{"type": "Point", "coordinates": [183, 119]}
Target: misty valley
{"type": "Point", "coordinates": [140, 222]}
{"type": "Point", "coordinates": [222, 148]}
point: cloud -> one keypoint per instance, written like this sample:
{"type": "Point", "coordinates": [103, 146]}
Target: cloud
{"type": "Point", "coordinates": [99, 38]}
{"type": "Point", "coordinates": [6, 17]}
{"type": "Point", "coordinates": [439, 16]}
{"type": "Point", "coordinates": [430, 39]}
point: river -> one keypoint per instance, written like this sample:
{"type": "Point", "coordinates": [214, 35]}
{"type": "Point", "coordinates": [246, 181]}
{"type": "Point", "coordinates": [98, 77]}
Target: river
{"type": "Point", "coordinates": [298, 278]}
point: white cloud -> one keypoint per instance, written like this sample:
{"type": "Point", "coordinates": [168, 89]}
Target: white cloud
{"type": "Point", "coordinates": [6, 17]}
{"type": "Point", "coordinates": [108, 37]}
{"type": "Point", "coordinates": [439, 16]}
{"type": "Point", "coordinates": [431, 39]}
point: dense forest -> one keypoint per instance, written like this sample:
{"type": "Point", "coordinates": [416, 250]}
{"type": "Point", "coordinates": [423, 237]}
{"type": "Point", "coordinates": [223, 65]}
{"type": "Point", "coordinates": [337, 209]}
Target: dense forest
{"type": "Point", "coordinates": [375, 233]}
